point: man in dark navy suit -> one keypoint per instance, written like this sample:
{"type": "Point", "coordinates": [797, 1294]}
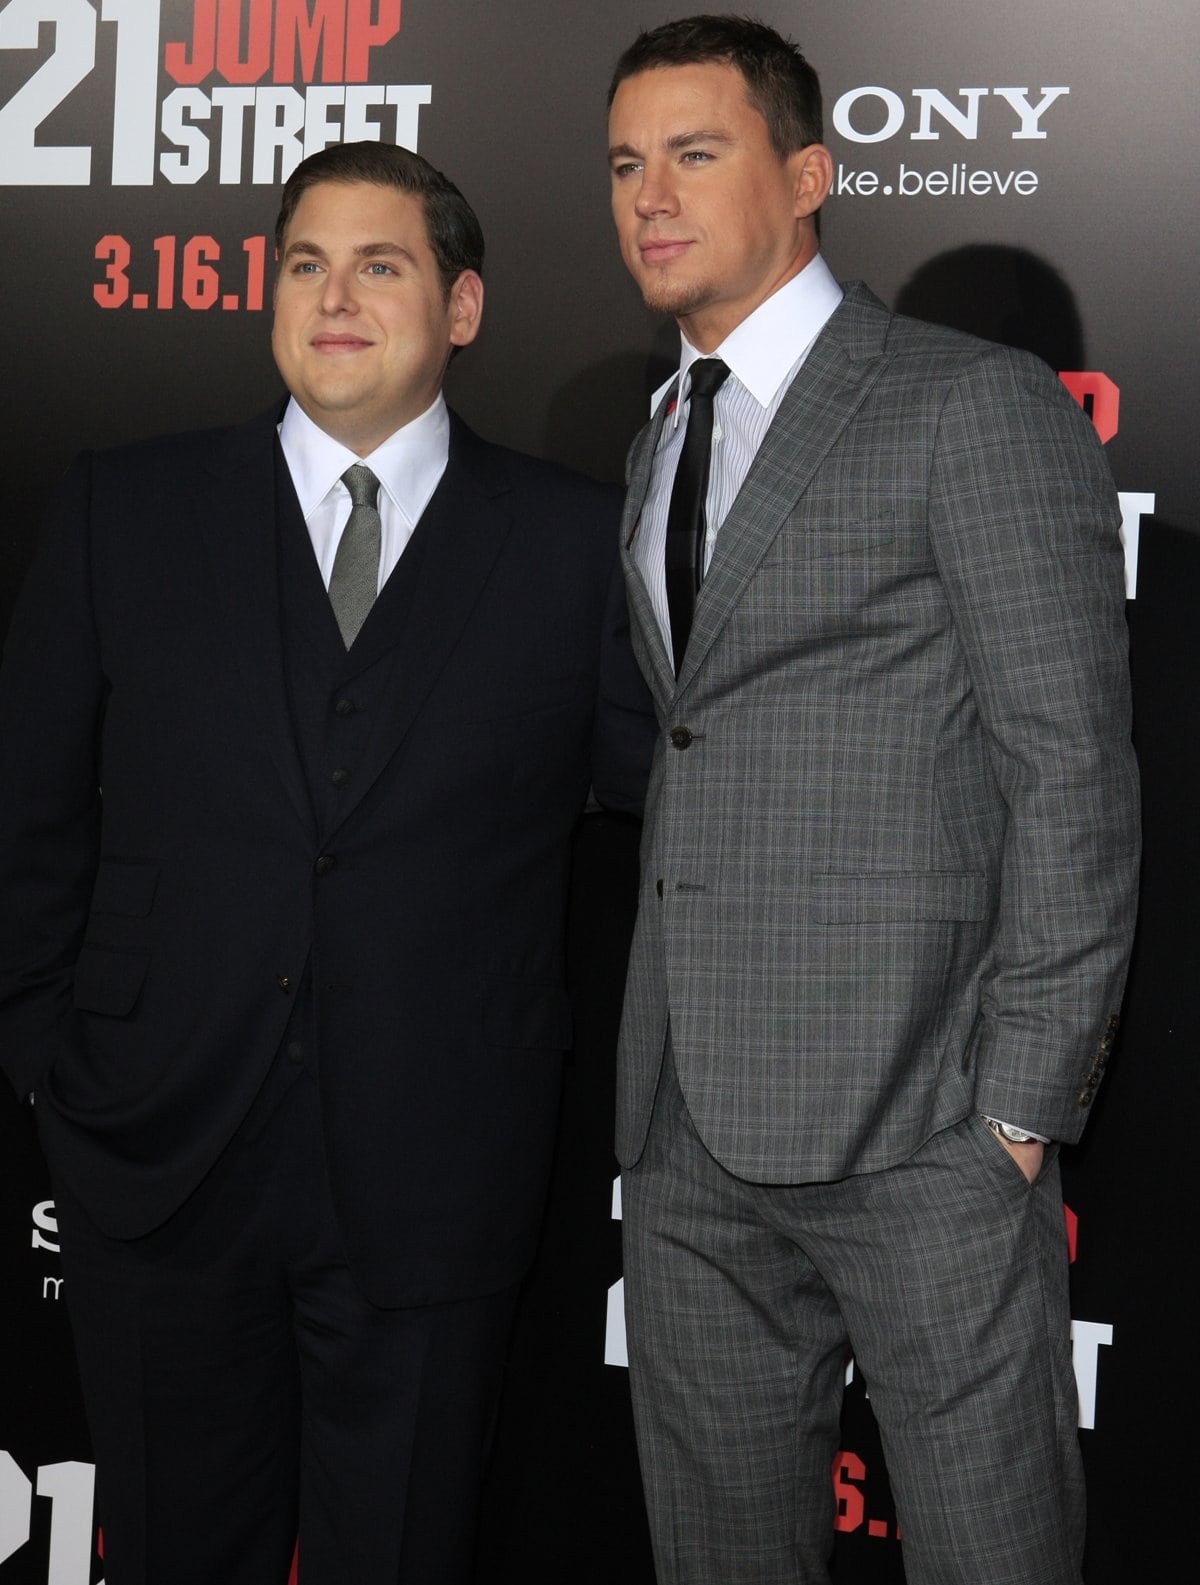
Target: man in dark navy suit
{"type": "Point", "coordinates": [297, 720]}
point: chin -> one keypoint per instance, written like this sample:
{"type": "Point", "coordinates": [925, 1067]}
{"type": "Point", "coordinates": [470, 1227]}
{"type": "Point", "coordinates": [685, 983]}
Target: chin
{"type": "Point", "coordinates": [676, 298]}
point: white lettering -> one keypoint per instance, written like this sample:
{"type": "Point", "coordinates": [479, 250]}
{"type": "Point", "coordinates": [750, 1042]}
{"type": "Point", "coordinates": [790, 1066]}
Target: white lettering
{"type": "Point", "coordinates": [616, 1348]}
{"type": "Point", "coordinates": [135, 90]}
{"type": "Point", "coordinates": [408, 100]}
{"type": "Point", "coordinates": [180, 105]}
{"type": "Point", "coordinates": [962, 118]}
{"type": "Point", "coordinates": [44, 1221]}
{"type": "Point", "coordinates": [1134, 506]}
{"type": "Point", "coordinates": [319, 130]}
{"type": "Point", "coordinates": [1087, 1339]}
{"type": "Point", "coordinates": [16, 1505]}
{"type": "Point", "coordinates": [1029, 114]}
{"type": "Point", "coordinates": [281, 125]}
{"type": "Point", "coordinates": [23, 160]}
{"type": "Point", "coordinates": [278, 121]}
{"type": "Point", "coordinates": [893, 118]}
{"type": "Point", "coordinates": [71, 1489]}
{"type": "Point", "coordinates": [233, 104]}
{"type": "Point", "coordinates": [616, 1351]}
{"type": "Point", "coordinates": [966, 122]}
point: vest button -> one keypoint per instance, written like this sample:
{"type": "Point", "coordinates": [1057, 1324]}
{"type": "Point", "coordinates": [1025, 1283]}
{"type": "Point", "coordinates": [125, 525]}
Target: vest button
{"type": "Point", "coordinates": [345, 707]}
{"type": "Point", "coordinates": [324, 864]}
{"type": "Point", "coordinates": [340, 776]}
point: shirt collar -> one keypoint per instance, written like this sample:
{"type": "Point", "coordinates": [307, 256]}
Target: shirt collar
{"type": "Point", "coordinates": [408, 464]}
{"type": "Point", "coordinates": [761, 350]}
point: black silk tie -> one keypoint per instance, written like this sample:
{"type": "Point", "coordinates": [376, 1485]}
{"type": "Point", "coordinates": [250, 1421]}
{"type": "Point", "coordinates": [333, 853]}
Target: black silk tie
{"type": "Point", "coordinates": [686, 531]}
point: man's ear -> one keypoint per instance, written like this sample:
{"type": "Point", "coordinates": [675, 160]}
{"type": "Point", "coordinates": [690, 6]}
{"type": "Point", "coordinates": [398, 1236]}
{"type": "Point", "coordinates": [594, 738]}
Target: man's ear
{"type": "Point", "coordinates": [466, 308]}
{"type": "Point", "coordinates": [812, 175]}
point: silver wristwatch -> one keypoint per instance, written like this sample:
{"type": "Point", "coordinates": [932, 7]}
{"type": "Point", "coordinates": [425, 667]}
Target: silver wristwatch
{"type": "Point", "coordinates": [1006, 1131]}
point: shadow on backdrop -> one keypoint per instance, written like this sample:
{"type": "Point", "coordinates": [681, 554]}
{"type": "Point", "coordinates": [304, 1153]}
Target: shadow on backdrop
{"type": "Point", "coordinates": [1003, 294]}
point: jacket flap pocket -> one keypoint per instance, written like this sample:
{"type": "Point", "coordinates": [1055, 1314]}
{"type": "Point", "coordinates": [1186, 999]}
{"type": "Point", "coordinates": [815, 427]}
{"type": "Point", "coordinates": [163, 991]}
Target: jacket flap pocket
{"type": "Point", "coordinates": [898, 899]}
{"type": "Point", "coordinates": [520, 1013]}
{"type": "Point", "coordinates": [124, 886]}
{"type": "Point", "coordinates": [108, 981]}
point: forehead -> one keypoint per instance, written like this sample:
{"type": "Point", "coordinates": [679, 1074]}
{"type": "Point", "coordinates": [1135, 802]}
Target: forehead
{"type": "Point", "coordinates": [668, 100]}
{"type": "Point", "coordinates": [357, 212]}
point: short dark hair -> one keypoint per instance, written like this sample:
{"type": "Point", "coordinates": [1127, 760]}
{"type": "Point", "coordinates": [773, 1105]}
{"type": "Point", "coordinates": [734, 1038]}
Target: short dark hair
{"type": "Point", "coordinates": [455, 234]}
{"type": "Point", "coordinates": [780, 84]}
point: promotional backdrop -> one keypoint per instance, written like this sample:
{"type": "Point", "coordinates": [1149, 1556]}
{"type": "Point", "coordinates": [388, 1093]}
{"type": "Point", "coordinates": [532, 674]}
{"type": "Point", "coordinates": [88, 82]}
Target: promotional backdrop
{"type": "Point", "coordinates": [1026, 173]}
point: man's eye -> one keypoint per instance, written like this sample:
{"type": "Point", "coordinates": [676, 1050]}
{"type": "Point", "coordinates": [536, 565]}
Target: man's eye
{"type": "Point", "coordinates": [378, 268]}
{"type": "Point", "coordinates": [627, 168]}
{"type": "Point", "coordinates": [697, 157]}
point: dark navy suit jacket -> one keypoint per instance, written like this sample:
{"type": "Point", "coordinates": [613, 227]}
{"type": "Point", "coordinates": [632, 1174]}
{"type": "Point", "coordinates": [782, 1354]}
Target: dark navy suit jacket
{"type": "Point", "coordinates": [169, 885]}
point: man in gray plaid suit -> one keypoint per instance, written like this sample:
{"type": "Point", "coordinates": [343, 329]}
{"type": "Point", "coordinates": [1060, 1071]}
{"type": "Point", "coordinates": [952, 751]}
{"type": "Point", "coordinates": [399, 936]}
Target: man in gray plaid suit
{"type": "Point", "coordinates": [889, 865]}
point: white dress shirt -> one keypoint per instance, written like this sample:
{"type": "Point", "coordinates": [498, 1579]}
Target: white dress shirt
{"type": "Point", "coordinates": [764, 354]}
{"type": "Point", "coordinates": [408, 465]}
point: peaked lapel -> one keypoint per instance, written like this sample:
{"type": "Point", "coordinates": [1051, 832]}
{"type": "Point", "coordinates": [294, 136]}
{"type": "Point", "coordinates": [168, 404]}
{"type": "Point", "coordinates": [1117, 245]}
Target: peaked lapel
{"type": "Point", "coordinates": [238, 496]}
{"type": "Point", "coordinates": [462, 530]}
{"type": "Point", "coordinates": [834, 381]}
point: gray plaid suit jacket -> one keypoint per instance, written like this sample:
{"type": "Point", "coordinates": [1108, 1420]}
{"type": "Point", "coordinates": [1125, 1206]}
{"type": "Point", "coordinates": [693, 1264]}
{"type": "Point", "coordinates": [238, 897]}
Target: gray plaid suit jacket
{"type": "Point", "coordinates": [891, 844]}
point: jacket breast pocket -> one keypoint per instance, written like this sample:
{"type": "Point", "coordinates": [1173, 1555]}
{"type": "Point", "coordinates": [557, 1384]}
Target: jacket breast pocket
{"type": "Point", "coordinates": [851, 539]}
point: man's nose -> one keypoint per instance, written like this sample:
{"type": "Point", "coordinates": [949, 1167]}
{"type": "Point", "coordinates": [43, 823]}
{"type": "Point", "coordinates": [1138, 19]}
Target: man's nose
{"type": "Point", "coordinates": [656, 193]}
{"type": "Point", "coordinates": [337, 296]}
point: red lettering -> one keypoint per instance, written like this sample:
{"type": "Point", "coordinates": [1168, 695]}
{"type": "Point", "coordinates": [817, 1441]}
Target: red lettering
{"type": "Point", "coordinates": [1099, 398]}
{"type": "Point", "coordinates": [1072, 1222]}
{"type": "Point", "coordinates": [368, 23]}
{"type": "Point", "coordinates": [195, 68]}
{"type": "Point", "coordinates": [297, 31]}
{"type": "Point", "coordinates": [234, 66]}
{"type": "Point", "coordinates": [847, 1468]}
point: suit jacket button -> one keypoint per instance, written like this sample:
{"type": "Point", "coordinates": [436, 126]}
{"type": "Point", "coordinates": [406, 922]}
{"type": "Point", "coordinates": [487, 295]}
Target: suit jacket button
{"type": "Point", "coordinates": [295, 1050]}
{"type": "Point", "coordinates": [340, 776]}
{"type": "Point", "coordinates": [681, 737]}
{"type": "Point", "coordinates": [324, 864]}
{"type": "Point", "coordinates": [345, 707]}
{"type": "Point", "coordinates": [658, 886]}
{"type": "Point", "coordinates": [284, 982]}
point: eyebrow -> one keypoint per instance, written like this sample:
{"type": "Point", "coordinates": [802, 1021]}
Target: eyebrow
{"type": "Point", "coordinates": [365, 250]}
{"type": "Point", "coordinates": [679, 143]}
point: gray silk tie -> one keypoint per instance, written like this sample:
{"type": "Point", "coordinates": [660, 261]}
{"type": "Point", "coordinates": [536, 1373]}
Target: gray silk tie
{"type": "Point", "coordinates": [354, 581]}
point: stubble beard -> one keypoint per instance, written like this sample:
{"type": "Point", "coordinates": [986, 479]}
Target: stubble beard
{"type": "Point", "coordinates": [677, 298]}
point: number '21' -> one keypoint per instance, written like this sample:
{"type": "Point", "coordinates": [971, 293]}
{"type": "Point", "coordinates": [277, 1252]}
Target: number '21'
{"type": "Point", "coordinates": [23, 162]}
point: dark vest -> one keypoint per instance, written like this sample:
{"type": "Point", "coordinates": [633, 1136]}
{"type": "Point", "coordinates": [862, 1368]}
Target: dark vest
{"type": "Point", "coordinates": [334, 697]}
